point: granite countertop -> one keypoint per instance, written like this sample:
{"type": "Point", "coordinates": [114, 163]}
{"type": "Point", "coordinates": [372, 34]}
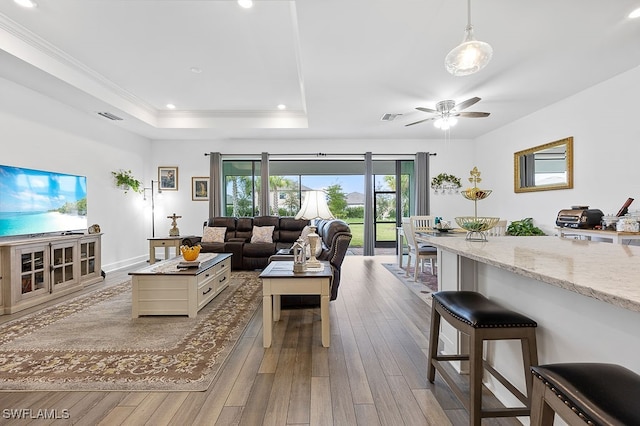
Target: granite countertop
{"type": "Point", "coordinates": [603, 271]}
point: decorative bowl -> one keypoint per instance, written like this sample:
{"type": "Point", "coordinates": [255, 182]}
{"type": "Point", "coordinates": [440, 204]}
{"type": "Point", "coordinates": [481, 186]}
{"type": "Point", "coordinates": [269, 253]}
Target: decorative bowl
{"type": "Point", "coordinates": [190, 253]}
{"type": "Point", "coordinates": [474, 194]}
{"type": "Point", "coordinates": [476, 224]}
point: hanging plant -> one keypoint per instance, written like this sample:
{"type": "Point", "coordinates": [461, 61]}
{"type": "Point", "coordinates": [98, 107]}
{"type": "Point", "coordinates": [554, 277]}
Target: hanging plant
{"type": "Point", "coordinates": [125, 180]}
{"type": "Point", "coordinates": [443, 179]}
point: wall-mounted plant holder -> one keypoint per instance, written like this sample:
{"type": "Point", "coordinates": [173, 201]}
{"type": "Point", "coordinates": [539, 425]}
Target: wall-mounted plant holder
{"type": "Point", "coordinates": [124, 180]}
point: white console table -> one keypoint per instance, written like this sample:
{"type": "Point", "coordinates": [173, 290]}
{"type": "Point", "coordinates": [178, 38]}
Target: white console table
{"type": "Point", "coordinates": [36, 270]}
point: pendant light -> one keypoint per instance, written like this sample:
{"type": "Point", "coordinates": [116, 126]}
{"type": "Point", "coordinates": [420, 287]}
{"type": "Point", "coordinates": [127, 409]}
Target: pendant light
{"type": "Point", "coordinates": [471, 55]}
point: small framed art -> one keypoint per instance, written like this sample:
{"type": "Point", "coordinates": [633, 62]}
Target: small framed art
{"type": "Point", "coordinates": [168, 178]}
{"type": "Point", "coordinates": [200, 188]}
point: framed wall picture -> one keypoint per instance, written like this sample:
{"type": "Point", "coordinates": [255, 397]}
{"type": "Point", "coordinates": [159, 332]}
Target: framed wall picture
{"type": "Point", "coordinates": [200, 188]}
{"type": "Point", "coordinates": [168, 178]}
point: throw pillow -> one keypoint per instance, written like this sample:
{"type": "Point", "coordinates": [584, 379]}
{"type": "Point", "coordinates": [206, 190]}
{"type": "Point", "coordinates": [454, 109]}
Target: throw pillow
{"type": "Point", "coordinates": [305, 236]}
{"type": "Point", "coordinates": [262, 234]}
{"type": "Point", "coordinates": [213, 234]}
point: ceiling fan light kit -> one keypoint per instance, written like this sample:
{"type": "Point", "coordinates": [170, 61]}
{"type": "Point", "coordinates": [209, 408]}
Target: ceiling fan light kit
{"type": "Point", "coordinates": [445, 123]}
{"type": "Point", "coordinates": [471, 55]}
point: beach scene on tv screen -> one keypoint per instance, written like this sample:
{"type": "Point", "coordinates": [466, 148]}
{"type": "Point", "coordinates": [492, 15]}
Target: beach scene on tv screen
{"type": "Point", "coordinates": [37, 201]}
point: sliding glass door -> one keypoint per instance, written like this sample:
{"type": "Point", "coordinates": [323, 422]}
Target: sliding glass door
{"type": "Point", "coordinates": [342, 180]}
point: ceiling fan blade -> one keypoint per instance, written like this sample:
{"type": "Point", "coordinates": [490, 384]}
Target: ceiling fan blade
{"type": "Point", "coordinates": [418, 122]}
{"type": "Point", "coordinates": [423, 109]}
{"type": "Point", "coordinates": [474, 114]}
{"type": "Point", "coordinates": [466, 104]}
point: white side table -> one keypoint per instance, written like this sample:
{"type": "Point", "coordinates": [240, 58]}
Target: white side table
{"type": "Point", "coordinates": [278, 278]}
{"type": "Point", "coordinates": [165, 242]}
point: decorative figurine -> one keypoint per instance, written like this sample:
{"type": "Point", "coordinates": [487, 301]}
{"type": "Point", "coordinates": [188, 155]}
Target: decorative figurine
{"type": "Point", "coordinates": [299, 256]}
{"type": "Point", "coordinates": [174, 231]}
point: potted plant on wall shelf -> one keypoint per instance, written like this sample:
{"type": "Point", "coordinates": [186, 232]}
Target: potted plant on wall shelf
{"type": "Point", "coordinates": [125, 180]}
{"type": "Point", "coordinates": [445, 182]}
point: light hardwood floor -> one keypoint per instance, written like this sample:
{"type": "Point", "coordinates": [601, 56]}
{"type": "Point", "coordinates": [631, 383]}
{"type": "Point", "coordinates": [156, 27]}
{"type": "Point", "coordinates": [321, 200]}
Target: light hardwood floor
{"type": "Point", "coordinates": [373, 373]}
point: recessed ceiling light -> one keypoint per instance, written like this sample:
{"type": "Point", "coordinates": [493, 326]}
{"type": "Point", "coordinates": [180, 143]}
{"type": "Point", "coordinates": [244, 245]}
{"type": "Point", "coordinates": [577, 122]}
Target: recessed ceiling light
{"type": "Point", "coordinates": [635, 13]}
{"type": "Point", "coordinates": [282, 106]}
{"type": "Point", "coordinates": [26, 3]}
{"type": "Point", "coordinates": [171, 106]}
{"type": "Point", "coordinates": [196, 70]}
{"type": "Point", "coordinates": [247, 4]}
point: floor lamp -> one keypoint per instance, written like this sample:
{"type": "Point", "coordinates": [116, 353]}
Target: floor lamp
{"type": "Point", "coordinates": [153, 206]}
{"type": "Point", "coordinates": [314, 207]}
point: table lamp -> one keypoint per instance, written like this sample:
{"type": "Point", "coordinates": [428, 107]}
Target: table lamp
{"type": "Point", "coordinates": [314, 207]}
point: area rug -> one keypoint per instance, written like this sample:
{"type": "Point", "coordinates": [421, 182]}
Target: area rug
{"type": "Point", "coordinates": [425, 285]}
{"type": "Point", "coordinates": [92, 343]}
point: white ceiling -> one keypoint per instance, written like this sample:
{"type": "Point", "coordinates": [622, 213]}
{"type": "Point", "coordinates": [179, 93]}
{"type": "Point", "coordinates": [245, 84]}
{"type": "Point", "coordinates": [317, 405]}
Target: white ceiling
{"type": "Point", "coordinates": [338, 65]}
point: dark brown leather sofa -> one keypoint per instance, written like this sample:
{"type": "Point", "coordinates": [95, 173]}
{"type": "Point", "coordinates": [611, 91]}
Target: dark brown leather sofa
{"type": "Point", "coordinates": [237, 240]}
{"type": "Point", "coordinates": [335, 236]}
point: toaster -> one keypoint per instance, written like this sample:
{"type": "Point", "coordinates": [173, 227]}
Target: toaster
{"type": "Point", "coordinates": [579, 218]}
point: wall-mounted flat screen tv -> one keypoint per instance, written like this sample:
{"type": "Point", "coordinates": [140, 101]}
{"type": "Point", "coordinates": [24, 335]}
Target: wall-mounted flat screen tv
{"type": "Point", "coordinates": [34, 202]}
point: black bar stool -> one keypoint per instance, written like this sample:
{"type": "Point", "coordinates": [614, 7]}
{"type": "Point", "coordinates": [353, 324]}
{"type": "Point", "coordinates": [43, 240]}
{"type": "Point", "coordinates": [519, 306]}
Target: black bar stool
{"type": "Point", "coordinates": [591, 393]}
{"type": "Point", "coordinates": [481, 319]}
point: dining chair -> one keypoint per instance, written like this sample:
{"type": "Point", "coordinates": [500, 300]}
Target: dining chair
{"type": "Point", "coordinates": [499, 230]}
{"type": "Point", "coordinates": [423, 252]}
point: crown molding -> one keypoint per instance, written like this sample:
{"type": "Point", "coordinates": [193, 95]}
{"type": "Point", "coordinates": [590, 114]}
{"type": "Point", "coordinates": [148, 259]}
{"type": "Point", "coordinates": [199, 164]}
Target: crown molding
{"type": "Point", "coordinates": [38, 52]}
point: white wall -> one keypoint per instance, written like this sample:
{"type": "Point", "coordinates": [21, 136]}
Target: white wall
{"type": "Point", "coordinates": [602, 121]}
{"type": "Point", "coordinates": [453, 157]}
{"type": "Point", "coordinates": [41, 133]}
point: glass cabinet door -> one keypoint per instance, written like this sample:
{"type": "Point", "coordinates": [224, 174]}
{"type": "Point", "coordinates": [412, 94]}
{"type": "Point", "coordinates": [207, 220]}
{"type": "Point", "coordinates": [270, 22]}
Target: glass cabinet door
{"type": "Point", "coordinates": [63, 269]}
{"type": "Point", "coordinates": [33, 279]}
{"type": "Point", "coordinates": [87, 258]}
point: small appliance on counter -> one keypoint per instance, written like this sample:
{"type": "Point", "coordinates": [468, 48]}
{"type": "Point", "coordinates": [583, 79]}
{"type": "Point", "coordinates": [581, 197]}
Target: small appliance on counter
{"type": "Point", "coordinates": [579, 217]}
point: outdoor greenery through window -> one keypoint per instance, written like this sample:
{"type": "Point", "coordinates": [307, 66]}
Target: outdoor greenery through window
{"type": "Point", "coordinates": [341, 180]}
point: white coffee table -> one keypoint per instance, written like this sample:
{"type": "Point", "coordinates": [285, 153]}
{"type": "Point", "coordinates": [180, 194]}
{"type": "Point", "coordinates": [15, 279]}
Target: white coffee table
{"type": "Point", "coordinates": [163, 289]}
{"type": "Point", "coordinates": [278, 278]}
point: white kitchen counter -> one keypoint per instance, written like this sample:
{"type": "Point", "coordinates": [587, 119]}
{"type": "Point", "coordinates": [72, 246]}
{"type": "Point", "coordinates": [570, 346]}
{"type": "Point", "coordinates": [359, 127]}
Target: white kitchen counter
{"type": "Point", "coordinates": [606, 272]}
{"type": "Point", "coordinates": [585, 297]}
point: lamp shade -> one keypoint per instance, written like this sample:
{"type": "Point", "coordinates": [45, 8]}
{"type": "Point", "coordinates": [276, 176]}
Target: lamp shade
{"type": "Point", "coordinates": [315, 207]}
{"type": "Point", "coordinates": [468, 57]}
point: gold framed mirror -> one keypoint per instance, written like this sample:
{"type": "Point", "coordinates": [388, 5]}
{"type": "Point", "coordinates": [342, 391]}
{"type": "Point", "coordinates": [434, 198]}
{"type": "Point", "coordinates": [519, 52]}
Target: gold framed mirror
{"type": "Point", "coordinates": [544, 167]}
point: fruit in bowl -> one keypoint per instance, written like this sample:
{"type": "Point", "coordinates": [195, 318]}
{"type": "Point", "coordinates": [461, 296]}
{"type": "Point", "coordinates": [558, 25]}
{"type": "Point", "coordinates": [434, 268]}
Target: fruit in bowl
{"type": "Point", "coordinates": [190, 253]}
{"type": "Point", "coordinates": [477, 224]}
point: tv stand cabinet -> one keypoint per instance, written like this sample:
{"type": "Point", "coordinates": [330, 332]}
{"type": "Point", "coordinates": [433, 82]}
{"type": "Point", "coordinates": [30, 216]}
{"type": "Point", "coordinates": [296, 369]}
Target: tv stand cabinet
{"type": "Point", "coordinates": [36, 270]}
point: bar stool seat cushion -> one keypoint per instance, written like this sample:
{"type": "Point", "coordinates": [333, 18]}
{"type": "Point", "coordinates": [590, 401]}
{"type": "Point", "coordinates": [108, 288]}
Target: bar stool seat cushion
{"type": "Point", "coordinates": [478, 311]}
{"type": "Point", "coordinates": [427, 250]}
{"type": "Point", "coordinates": [604, 393]}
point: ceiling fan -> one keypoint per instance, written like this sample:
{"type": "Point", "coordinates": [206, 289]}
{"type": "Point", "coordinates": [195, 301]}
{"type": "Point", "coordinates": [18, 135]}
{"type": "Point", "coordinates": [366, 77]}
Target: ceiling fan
{"type": "Point", "coordinates": [447, 111]}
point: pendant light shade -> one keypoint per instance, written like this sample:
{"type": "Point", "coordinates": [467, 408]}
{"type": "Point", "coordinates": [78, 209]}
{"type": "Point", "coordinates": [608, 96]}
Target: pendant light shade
{"type": "Point", "coordinates": [471, 55]}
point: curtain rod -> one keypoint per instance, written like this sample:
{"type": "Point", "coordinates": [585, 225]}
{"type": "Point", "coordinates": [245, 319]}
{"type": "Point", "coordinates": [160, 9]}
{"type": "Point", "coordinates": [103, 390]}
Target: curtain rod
{"type": "Point", "coordinates": [320, 155]}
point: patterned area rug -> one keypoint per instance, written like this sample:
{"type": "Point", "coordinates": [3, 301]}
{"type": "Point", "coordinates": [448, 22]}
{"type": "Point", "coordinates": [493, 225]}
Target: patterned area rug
{"type": "Point", "coordinates": [425, 285]}
{"type": "Point", "coordinates": [92, 343]}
